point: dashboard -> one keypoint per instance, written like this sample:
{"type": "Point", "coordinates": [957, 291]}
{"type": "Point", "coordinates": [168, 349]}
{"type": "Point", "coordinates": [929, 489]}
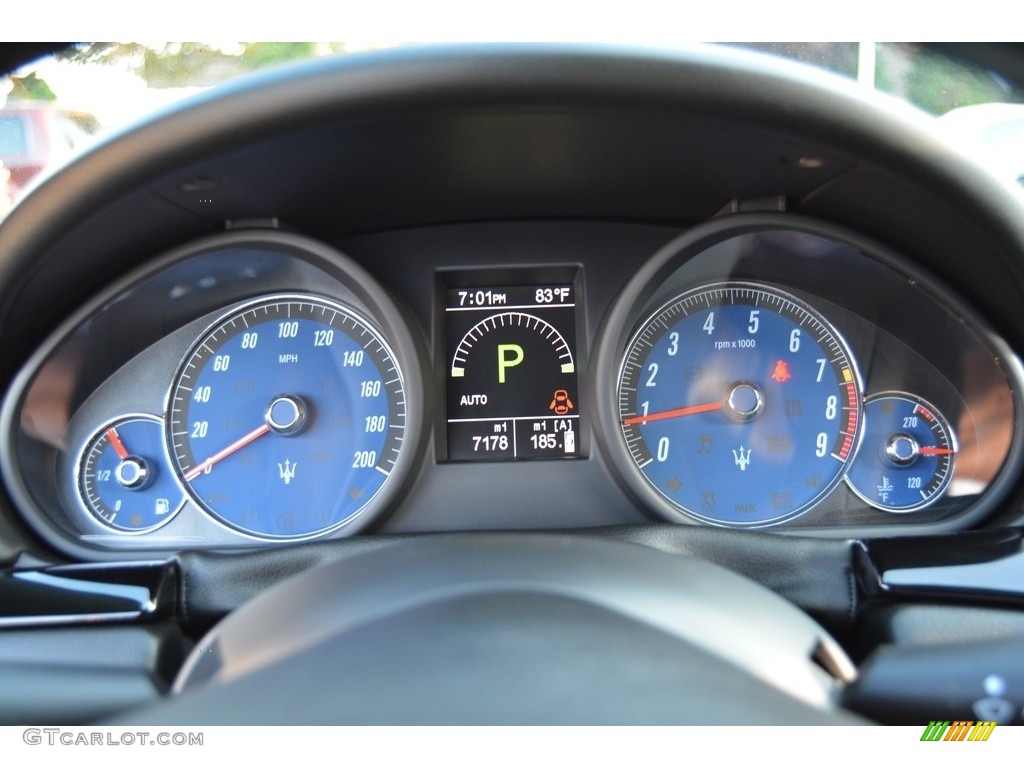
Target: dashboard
{"type": "Point", "coordinates": [496, 350]}
{"type": "Point", "coordinates": [763, 370]}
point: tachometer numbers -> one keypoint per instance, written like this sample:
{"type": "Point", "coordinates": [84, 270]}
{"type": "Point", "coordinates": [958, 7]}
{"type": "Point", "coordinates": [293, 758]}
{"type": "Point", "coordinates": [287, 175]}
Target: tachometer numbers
{"type": "Point", "coordinates": [739, 404]}
{"type": "Point", "coordinates": [906, 461]}
{"type": "Point", "coordinates": [124, 478]}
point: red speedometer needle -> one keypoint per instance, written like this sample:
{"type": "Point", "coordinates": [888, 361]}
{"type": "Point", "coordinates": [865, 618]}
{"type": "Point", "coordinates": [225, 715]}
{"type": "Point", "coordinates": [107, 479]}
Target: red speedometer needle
{"type": "Point", "coordinates": [240, 443]}
{"type": "Point", "coordinates": [674, 413]}
{"type": "Point", "coordinates": [936, 451]}
{"type": "Point", "coordinates": [115, 440]}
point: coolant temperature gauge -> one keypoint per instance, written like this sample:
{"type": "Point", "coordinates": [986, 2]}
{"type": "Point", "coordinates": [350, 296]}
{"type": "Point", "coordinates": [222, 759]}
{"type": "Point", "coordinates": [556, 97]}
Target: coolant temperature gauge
{"type": "Point", "coordinates": [906, 460]}
{"type": "Point", "coordinates": [124, 479]}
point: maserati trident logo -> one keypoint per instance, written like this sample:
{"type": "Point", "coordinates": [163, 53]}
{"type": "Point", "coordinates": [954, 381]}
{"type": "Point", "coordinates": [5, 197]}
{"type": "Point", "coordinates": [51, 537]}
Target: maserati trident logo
{"type": "Point", "coordinates": [287, 470]}
{"type": "Point", "coordinates": [742, 457]}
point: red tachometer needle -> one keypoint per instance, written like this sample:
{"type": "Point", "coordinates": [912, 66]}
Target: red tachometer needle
{"type": "Point", "coordinates": [115, 440]}
{"type": "Point", "coordinates": [936, 451]}
{"type": "Point", "coordinates": [674, 413]}
{"type": "Point", "coordinates": [240, 443]}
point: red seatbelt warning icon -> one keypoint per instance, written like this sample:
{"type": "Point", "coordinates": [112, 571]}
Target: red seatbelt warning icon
{"type": "Point", "coordinates": [560, 402]}
{"type": "Point", "coordinates": [781, 373]}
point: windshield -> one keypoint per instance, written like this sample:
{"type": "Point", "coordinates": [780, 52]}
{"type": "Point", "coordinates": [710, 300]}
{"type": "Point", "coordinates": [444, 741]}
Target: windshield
{"type": "Point", "coordinates": [56, 107]}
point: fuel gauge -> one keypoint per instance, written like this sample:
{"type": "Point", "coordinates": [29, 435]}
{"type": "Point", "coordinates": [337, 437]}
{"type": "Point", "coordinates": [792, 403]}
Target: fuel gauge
{"type": "Point", "coordinates": [906, 460]}
{"type": "Point", "coordinates": [124, 479]}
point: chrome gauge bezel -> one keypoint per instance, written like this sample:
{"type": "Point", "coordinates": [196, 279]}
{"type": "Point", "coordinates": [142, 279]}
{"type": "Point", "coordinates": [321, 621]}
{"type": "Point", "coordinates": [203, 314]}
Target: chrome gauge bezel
{"type": "Point", "coordinates": [950, 438]}
{"type": "Point", "coordinates": [184, 290]}
{"type": "Point", "coordinates": [713, 252]}
{"type": "Point", "coordinates": [94, 515]}
{"type": "Point", "coordinates": [675, 307]}
{"type": "Point", "coordinates": [354, 520]}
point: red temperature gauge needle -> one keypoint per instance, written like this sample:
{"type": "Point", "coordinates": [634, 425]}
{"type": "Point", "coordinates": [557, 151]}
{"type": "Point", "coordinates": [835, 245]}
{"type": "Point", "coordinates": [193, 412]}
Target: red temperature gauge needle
{"type": "Point", "coordinates": [936, 451]}
{"type": "Point", "coordinates": [240, 443]}
{"type": "Point", "coordinates": [674, 413]}
{"type": "Point", "coordinates": [115, 440]}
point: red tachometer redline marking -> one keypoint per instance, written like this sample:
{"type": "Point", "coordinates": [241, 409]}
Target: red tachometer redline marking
{"type": "Point", "coordinates": [115, 440]}
{"type": "Point", "coordinates": [240, 443]}
{"type": "Point", "coordinates": [936, 451]}
{"type": "Point", "coordinates": [851, 419]}
{"type": "Point", "coordinates": [675, 413]}
{"type": "Point", "coordinates": [845, 450]}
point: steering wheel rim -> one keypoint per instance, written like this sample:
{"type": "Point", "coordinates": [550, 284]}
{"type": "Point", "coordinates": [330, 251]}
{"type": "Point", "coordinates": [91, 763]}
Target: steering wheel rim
{"type": "Point", "coordinates": [512, 628]}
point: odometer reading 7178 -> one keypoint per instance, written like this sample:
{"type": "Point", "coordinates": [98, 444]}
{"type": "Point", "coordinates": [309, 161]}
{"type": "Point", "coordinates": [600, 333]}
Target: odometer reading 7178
{"type": "Point", "coordinates": [512, 389]}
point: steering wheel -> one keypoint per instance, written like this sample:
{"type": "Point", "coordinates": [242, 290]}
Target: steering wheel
{"type": "Point", "coordinates": [512, 629]}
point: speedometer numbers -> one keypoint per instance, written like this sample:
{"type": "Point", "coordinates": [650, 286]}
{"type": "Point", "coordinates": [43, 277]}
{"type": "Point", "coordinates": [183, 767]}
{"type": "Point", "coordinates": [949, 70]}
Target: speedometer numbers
{"type": "Point", "coordinates": [739, 404]}
{"type": "Point", "coordinates": [287, 417]}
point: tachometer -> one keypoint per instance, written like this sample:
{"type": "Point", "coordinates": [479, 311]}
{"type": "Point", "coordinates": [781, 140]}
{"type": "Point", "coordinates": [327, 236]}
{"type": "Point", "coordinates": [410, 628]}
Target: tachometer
{"type": "Point", "coordinates": [287, 417]}
{"type": "Point", "coordinates": [739, 404]}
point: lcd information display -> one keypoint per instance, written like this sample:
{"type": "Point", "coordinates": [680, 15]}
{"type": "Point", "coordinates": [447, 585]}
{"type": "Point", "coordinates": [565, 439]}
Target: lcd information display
{"type": "Point", "coordinates": [512, 372]}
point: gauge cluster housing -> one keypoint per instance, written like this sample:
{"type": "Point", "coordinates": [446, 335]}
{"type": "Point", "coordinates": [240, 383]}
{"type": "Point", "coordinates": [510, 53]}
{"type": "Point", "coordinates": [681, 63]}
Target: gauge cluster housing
{"type": "Point", "coordinates": [721, 170]}
{"type": "Point", "coordinates": [906, 333]}
{"type": "Point", "coordinates": [116, 358]}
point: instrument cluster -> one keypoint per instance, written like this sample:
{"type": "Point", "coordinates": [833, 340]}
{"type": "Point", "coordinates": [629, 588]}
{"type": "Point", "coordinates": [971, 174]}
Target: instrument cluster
{"type": "Point", "coordinates": [756, 372]}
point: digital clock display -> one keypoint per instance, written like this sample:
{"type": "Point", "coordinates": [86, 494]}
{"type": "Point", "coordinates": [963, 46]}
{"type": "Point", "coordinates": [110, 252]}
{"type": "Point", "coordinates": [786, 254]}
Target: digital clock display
{"type": "Point", "coordinates": [512, 372]}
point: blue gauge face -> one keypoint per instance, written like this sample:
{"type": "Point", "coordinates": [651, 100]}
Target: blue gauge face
{"type": "Point", "coordinates": [124, 479]}
{"type": "Point", "coordinates": [906, 461]}
{"type": "Point", "coordinates": [287, 417]}
{"type": "Point", "coordinates": [739, 404]}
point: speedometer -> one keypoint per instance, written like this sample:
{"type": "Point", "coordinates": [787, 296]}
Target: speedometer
{"type": "Point", "coordinates": [739, 404]}
{"type": "Point", "coordinates": [287, 417]}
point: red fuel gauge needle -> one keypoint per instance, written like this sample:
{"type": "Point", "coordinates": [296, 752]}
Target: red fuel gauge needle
{"type": "Point", "coordinates": [115, 440]}
{"type": "Point", "coordinates": [674, 413]}
{"type": "Point", "coordinates": [240, 443]}
{"type": "Point", "coordinates": [936, 451]}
